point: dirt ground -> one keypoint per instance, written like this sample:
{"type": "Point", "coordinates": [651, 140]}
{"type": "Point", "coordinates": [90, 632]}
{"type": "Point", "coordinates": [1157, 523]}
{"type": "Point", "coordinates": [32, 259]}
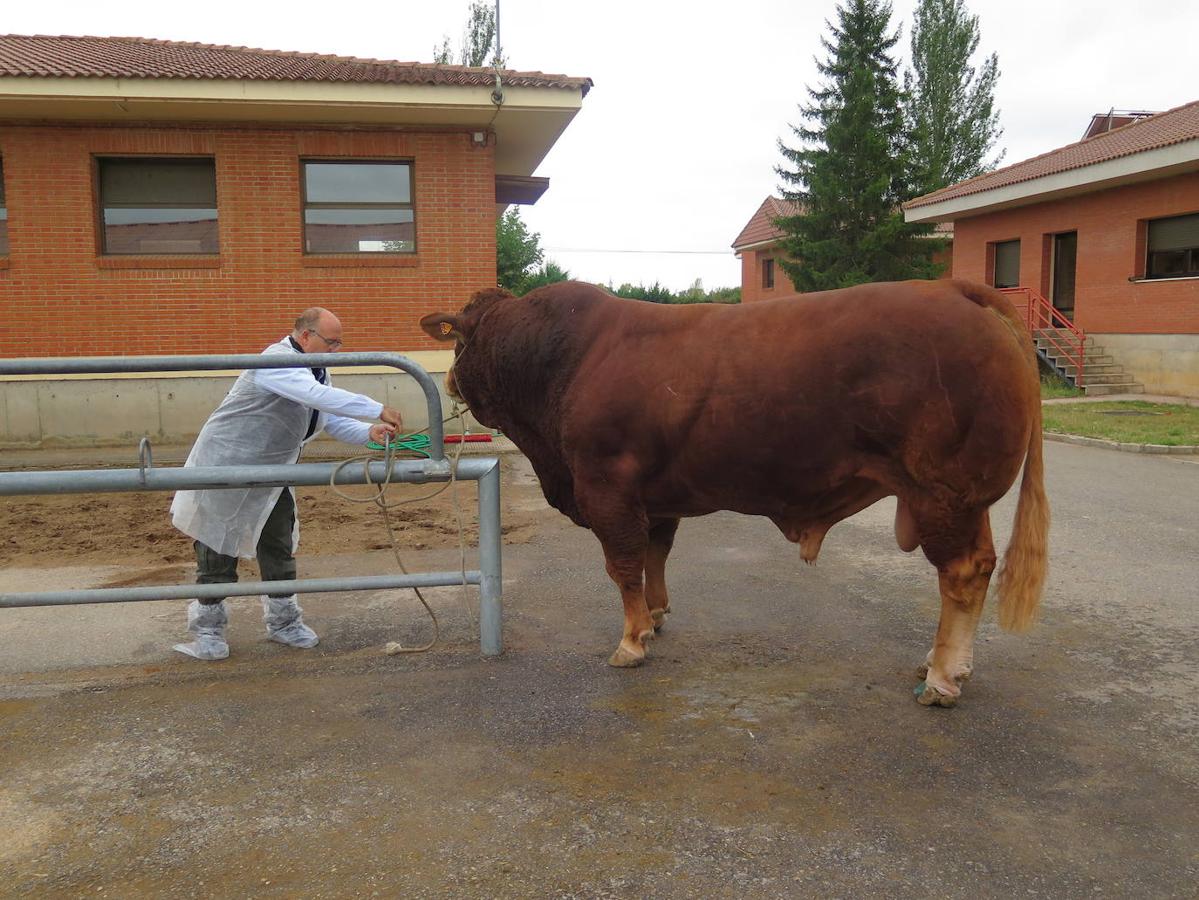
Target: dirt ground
{"type": "Point", "coordinates": [770, 746]}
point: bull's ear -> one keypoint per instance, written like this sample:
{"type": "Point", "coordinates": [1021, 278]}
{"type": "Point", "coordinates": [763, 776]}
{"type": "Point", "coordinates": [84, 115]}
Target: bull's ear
{"type": "Point", "coordinates": [442, 327]}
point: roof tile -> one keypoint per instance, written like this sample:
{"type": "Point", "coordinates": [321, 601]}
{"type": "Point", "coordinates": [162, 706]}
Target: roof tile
{"type": "Point", "coordinates": [760, 228]}
{"type": "Point", "coordinates": [1162, 130]}
{"type": "Point", "coordinates": [68, 56]}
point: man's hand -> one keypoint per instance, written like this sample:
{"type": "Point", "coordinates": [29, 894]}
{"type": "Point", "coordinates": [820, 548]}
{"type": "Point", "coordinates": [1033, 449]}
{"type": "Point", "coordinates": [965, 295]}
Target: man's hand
{"type": "Point", "coordinates": [380, 433]}
{"type": "Point", "coordinates": [391, 416]}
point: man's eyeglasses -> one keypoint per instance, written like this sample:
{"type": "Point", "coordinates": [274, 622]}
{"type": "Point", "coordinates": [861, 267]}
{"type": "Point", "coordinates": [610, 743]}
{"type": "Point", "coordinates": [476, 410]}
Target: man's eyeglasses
{"type": "Point", "coordinates": [333, 345]}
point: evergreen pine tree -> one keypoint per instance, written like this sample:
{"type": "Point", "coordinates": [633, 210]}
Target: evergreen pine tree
{"type": "Point", "coordinates": [850, 173]}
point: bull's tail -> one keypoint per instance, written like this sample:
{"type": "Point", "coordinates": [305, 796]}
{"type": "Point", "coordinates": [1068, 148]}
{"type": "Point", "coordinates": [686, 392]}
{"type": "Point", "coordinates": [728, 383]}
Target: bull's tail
{"type": "Point", "coordinates": [1024, 564]}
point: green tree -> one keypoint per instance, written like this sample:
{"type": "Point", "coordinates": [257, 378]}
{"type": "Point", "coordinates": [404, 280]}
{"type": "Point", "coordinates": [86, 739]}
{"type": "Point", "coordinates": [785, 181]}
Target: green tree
{"type": "Point", "coordinates": [720, 295]}
{"type": "Point", "coordinates": [850, 172]}
{"type": "Point", "coordinates": [478, 39]}
{"type": "Point", "coordinates": [949, 105]}
{"type": "Point", "coordinates": [655, 293]}
{"type": "Point", "coordinates": [517, 250]}
{"type": "Point", "coordinates": [549, 273]}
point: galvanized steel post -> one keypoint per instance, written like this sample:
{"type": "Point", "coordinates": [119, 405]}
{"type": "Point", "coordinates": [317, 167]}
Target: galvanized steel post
{"type": "Point", "coordinates": [491, 589]}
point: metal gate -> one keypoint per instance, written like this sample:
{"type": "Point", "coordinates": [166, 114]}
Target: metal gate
{"type": "Point", "coordinates": [437, 468]}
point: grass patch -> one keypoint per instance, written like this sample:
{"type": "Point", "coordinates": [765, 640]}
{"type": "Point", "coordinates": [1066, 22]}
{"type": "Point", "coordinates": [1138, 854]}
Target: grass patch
{"type": "Point", "coordinates": [1130, 422]}
{"type": "Point", "coordinates": [1054, 386]}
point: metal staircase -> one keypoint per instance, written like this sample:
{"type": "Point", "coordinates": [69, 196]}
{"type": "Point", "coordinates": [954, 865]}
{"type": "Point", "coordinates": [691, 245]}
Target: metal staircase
{"type": "Point", "coordinates": [1067, 350]}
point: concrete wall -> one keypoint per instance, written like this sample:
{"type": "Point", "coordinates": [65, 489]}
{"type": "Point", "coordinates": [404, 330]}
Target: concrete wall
{"type": "Point", "coordinates": [115, 410]}
{"type": "Point", "coordinates": [1164, 363]}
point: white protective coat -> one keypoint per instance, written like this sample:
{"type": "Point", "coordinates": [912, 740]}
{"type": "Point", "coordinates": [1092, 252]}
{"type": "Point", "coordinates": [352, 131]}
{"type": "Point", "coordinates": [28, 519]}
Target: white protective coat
{"type": "Point", "coordinates": [262, 421]}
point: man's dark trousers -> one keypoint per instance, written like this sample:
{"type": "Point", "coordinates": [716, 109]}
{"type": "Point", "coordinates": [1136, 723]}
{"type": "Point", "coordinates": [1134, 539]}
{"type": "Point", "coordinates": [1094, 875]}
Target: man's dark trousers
{"type": "Point", "coordinates": [275, 559]}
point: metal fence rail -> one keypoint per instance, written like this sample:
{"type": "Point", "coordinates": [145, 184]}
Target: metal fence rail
{"type": "Point", "coordinates": [484, 470]}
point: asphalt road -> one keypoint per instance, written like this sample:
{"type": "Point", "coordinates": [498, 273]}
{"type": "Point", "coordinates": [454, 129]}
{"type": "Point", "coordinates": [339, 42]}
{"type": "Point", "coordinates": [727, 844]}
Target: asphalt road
{"type": "Point", "coordinates": [770, 747]}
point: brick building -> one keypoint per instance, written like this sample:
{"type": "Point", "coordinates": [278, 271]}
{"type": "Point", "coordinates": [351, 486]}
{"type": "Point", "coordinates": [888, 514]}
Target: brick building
{"type": "Point", "coordinates": [757, 246]}
{"type": "Point", "coordinates": [1106, 230]}
{"type": "Point", "coordinates": [163, 197]}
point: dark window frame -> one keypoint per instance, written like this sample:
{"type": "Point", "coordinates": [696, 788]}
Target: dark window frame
{"type": "Point", "coordinates": [1157, 262]}
{"type": "Point", "coordinates": [99, 206]}
{"type": "Point", "coordinates": [4, 247]}
{"type": "Point", "coordinates": [305, 205]}
{"type": "Point", "coordinates": [768, 273]}
{"type": "Point", "coordinates": [994, 254]}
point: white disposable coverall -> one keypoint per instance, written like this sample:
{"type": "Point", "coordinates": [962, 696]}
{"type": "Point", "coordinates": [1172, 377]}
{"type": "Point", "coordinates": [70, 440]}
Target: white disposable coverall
{"type": "Point", "coordinates": [263, 420]}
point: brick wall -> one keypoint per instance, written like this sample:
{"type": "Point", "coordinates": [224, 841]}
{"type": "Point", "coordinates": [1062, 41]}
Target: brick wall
{"type": "Point", "coordinates": [751, 276]}
{"type": "Point", "coordinates": [1110, 226]}
{"type": "Point", "coordinates": [61, 297]}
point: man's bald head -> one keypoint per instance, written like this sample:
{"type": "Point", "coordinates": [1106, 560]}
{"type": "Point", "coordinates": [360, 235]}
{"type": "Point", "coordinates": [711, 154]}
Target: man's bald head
{"type": "Point", "coordinates": [317, 330]}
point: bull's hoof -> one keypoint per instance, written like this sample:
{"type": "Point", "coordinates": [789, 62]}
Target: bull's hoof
{"type": "Point", "coordinates": [624, 658]}
{"type": "Point", "coordinates": [959, 677]}
{"type": "Point", "coordinates": [927, 695]}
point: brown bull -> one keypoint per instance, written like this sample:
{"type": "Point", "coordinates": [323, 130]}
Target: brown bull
{"type": "Point", "coordinates": [927, 391]}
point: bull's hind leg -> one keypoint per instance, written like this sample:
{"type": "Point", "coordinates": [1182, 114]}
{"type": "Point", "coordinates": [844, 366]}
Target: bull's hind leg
{"type": "Point", "coordinates": [661, 539]}
{"type": "Point", "coordinates": [964, 555]}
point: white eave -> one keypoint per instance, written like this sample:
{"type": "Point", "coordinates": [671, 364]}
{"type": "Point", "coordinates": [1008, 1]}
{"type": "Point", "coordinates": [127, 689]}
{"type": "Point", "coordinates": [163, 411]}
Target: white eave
{"type": "Point", "coordinates": [527, 125]}
{"type": "Point", "coordinates": [756, 245]}
{"type": "Point", "coordinates": [1147, 165]}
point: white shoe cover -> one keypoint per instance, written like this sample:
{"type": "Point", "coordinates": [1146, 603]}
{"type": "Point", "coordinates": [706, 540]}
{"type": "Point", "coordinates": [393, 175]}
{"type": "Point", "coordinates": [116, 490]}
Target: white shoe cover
{"type": "Point", "coordinates": [284, 623]}
{"type": "Point", "coordinates": [207, 622]}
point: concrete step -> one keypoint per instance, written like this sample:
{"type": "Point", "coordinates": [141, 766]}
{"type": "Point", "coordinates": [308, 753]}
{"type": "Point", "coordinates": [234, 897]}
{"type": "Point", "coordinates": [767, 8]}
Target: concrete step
{"type": "Point", "coordinates": [1091, 368]}
{"type": "Point", "coordinates": [1107, 378]}
{"type": "Point", "coordinates": [1068, 340]}
{"type": "Point", "coordinates": [1102, 390]}
{"type": "Point", "coordinates": [1061, 335]}
{"type": "Point", "coordinates": [1099, 359]}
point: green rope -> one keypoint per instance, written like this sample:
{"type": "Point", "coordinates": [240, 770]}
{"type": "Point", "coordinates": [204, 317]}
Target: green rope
{"type": "Point", "coordinates": [414, 443]}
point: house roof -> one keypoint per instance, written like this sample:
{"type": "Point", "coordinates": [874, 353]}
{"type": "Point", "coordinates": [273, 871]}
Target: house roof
{"type": "Point", "coordinates": [68, 56]}
{"type": "Point", "coordinates": [134, 81]}
{"type": "Point", "coordinates": [760, 228]}
{"type": "Point", "coordinates": [1122, 155]}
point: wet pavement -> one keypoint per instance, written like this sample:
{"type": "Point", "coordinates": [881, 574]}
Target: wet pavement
{"type": "Point", "coordinates": [770, 747]}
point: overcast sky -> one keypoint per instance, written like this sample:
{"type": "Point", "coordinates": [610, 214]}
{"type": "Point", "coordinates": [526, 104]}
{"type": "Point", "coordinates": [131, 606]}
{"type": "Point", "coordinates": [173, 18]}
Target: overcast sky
{"type": "Point", "coordinates": [675, 146]}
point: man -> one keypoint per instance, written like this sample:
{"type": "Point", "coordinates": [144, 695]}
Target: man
{"type": "Point", "coordinates": [266, 417]}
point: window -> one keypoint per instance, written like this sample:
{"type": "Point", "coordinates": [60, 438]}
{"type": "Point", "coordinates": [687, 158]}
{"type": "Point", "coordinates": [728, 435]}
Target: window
{"type": "Point", "coordinates": [767, 273]}
{"type": "Point", "coordinates": [358, 207]}
{"type": "Point", "coordinates": [3, 215]}
{"type": "Point", "coordinates": [1007, 264]}
{"type": "Point", "coordinates": [158, 206]}
{"type": "Point", "coordinates": [1173, 246]}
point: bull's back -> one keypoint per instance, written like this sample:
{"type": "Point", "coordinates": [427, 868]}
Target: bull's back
{"type": "Point", "coordinates": [788, 398]}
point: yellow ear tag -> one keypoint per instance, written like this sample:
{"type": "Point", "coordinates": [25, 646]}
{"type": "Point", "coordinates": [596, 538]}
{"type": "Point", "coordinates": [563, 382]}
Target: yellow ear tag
{"type": "Point", "coordinates": [446, 327]}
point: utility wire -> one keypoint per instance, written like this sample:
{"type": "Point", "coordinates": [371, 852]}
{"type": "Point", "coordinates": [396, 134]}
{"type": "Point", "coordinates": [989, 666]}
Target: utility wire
{"type": "Point", "coordinates": [600, 250]}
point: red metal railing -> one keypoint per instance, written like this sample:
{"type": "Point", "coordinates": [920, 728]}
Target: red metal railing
{"type": "Point", "coordinates": [1044, 320]}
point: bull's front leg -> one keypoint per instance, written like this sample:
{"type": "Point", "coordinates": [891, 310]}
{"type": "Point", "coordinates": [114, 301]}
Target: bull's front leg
{"type": "Point", "coordinates": [619, 521]}
{"type": "Point", "coordinates": [661, 539]}
{"type": "Point", "coordinates": [626, 569]}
